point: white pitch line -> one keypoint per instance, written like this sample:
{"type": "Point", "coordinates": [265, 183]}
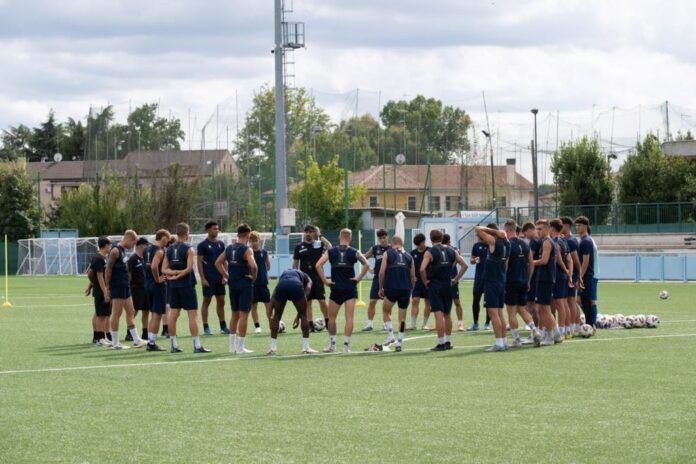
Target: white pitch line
{"type": "Point", "coordinates": [291, 356]}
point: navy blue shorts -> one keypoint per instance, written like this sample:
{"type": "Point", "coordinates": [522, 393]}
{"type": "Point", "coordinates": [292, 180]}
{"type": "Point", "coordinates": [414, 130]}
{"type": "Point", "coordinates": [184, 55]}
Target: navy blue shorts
{"type": "Point", "coordinates": [419, 290]}
{"type": "Point", "coordinates": [340, 296]}
{"type": "Point", "coordinates": [544, 293]}
{"type": "Point", "coordinates": [374, 289]}
{"type": "Point", "coordinates": [400, 297]}
{"type": "Point", "coordinates": [531, 294]}
{"type": "Point", "coordinates": [595, 283]}
{"type": "Point", "coordinates": [573, 291]}
{"type": "Point", "coordinates": [560, 288]}
{"type": "Point", "coordinates": [261, 294]}
{"type": "Point", "coordinates": [241, 298]}
{"type": "Point", "coordinates": [121, 293]}
{"type": "Point", "coordinates": [287, 291]}
{"type": "Point", "coordinates": [516, 294]}
{"type": "Point", "coordinates": [440, 296]}
{"type": "Point", "coordinates": [215, 287]}
{"type": "Point", "coordinates": [157, 295]}
{"type": "Point", "coordinates": [455, 291]}
{"type": "Point", "coordinates": [183, 298]}
{"type": "Point", "coordinates": [493, 294]}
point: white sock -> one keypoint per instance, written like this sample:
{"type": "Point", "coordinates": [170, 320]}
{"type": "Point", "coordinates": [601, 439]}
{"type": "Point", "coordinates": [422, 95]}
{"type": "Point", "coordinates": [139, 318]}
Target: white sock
{"type": "Point", "coordinates": [346, 341]}
{"type": "Point", "coordinates": [240, 343]}
{"type": "Point", "coordinates": [369, 323]}
{"type": "Point", "coordinates": [152, 337]}
{"type": "Point", "coordinates": [134, 335]}
{"type": "Point", "coordinates": [305, 343]}
{"type": "Point", "coordinates": [390, 331]}
{"type": "Point", "coordinates": [172, 340]}
{"type": "Point", "coordinates": [196, 342]}
{"type": "Point", "coordinates": [515, 333]}
{"type": "Point", "coordinates": [274, 343]}
{"type": "Point", "coordinates": [114, 338]}
{"type": "Point", "coordinates": [233, 338]}
{"type": "Point", "coordinates": [414, 320]}
{"type": "Point", "coordinates": [332, 340]}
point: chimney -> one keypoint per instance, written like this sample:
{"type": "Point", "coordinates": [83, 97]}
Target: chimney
{"type": "Point", "coordinates": [511, 173]}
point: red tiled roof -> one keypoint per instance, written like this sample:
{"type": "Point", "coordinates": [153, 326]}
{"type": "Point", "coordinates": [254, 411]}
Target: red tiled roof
{"type": "Point", "coordinates": [445, 177]}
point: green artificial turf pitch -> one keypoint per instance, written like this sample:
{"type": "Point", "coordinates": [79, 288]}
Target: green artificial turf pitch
{"type": "Point", "coordinates": [622, 396]}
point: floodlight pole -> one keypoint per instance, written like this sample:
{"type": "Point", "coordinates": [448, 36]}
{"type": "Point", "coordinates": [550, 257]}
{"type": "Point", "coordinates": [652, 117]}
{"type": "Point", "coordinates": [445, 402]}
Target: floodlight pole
{"type": "Point", "coordinates": [281, 180]}
{"type": "Point", "coordinates": [535, 173]}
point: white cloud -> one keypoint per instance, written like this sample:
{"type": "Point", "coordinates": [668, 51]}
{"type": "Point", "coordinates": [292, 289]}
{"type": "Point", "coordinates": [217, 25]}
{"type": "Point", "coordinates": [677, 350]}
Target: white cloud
{"type": "Point", "coordinates": [565, 56]}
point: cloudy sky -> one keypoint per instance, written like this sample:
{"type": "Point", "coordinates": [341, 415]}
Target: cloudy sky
{"type": "Point", "coordinates": [589, 65]}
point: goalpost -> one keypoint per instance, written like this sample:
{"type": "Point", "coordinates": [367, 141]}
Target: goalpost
{"type": "Point", "coordinates": [71, 256]}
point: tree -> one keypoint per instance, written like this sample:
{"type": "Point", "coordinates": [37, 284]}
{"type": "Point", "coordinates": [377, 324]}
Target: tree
{"type": "Point", "coordinates": [17, 207]}
{"type": "Point", "coordinates": [424, 126]}
{"type": "Point", "coordinates": [325, 196]}
{"type": "Point", "coordinates": [73, 141]}
{"type": "Point", "coordinates": [648, 176]}
{"type": "Point", "coordinates": [15, 143]}
{"type": "Point", "coordinates": [582, 173]}
{"type": "Point", "coordinates": [45, 139]}
{"type": "Point", "coordinates": [146, 130]}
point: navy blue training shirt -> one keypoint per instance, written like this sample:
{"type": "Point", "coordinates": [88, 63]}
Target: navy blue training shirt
{"type": "Point", "coordinates": [209, 250]}
{"type": "Point", "coordinates": [262, 273]}
{"type": "Point", "coordinates": [547, 272]}
{"type": "Point", "coordinates": [343, 259]}
{"type": "Point", "coordinates": [517, 271]}
{"type": "Point", "coordinates": [440, 267]}
{"type": "Point", "coordinates": [398, 273]}
{"type": "Point", "coordinates": [237, 266]}
{"type": "Point", "coordinates": [494, 268]}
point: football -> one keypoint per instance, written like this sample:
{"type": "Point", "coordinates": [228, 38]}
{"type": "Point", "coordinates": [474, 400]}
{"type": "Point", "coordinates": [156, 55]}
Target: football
{"type": "Point", "coordinates": [319, 324]}
{"type": "Point", "coordinates": [639, 321]}
{"type": "Point", "coordinates": [281, 327]}
{"type": "Point", "coordinates": [585, 331]}
{"type": "Point", "coordinates": [652, 321]}
{"type": "Point", "coordinates": [664, 294]}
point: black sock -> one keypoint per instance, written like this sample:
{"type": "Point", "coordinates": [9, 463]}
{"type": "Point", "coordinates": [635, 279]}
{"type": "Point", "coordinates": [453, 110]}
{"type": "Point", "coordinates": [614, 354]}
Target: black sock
{"type": "Point", "coordinates": [223, 325]}
{"type": "Point", "coordinates": [256, 325]}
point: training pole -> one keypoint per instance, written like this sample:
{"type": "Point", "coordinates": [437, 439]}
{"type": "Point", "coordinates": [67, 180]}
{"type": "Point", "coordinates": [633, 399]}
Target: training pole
{"type": "Point", "coordinates": [7, 303]}
{"type": "Point", "coordinates": [360, 303]}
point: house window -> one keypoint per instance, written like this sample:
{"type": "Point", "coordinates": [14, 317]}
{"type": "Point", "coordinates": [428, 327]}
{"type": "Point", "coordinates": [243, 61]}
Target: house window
{"type": "Point", "coordinates": [451, 203]}
{"type": "Point", "coordinates": [411, 205]}
{"type": "Point", "coordinates": [373, 202]}
{"type": "Point", "coordinates": [435, 203]}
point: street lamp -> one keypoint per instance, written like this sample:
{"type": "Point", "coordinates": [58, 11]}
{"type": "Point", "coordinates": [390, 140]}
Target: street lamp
{"type": "Point", "coordinates": [490, 144]}
{"type": "Point", "coordinates": [534, 168]}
